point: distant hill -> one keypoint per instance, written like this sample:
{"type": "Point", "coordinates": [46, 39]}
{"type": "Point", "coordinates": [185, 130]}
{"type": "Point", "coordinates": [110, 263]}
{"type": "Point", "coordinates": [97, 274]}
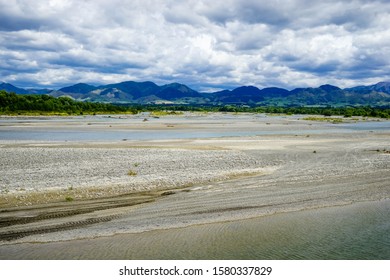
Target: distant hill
{"type": "Point", "coordinates": [243, 95]}
{"type": "Point", "coordinates": [11, 88]}
{"type": "Point", "coordinates": [79, 88]}
{"type": "Point", "coordinates": [175, 93]}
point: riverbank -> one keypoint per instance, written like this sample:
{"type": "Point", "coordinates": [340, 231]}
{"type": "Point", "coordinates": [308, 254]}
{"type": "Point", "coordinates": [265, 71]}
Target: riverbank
{"type": "Point", "coordinates": [103, 188]}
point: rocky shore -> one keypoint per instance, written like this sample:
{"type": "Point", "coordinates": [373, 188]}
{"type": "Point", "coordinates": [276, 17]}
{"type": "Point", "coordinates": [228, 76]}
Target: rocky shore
{"type": "Point", "coordinates": [29, 171]}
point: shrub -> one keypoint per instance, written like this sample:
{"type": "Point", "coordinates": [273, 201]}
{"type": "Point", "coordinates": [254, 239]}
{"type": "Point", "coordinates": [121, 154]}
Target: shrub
{"type": "Point", "coordinates": [69, 198]}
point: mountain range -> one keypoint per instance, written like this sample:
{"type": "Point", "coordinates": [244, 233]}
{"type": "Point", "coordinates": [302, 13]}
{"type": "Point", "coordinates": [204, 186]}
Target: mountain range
{"type": "Point", "coordinates": [175, 93]}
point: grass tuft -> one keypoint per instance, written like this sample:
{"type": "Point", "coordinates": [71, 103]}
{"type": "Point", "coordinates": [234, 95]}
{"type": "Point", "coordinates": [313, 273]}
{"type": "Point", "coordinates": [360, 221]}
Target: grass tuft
{"type": "Point", "coordinates": [132, 173]}
{"type": "Point", "coordinates": [324, 119]}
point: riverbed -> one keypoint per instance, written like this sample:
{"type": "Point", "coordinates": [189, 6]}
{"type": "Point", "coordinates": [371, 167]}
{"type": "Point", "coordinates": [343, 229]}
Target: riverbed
{"type": "Point", "coordinates": [247, 177]}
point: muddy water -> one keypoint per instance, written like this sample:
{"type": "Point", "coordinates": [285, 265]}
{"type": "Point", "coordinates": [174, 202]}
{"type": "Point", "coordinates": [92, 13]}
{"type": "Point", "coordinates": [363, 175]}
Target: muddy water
{"type": "Point", "coordinates": [357, 231]}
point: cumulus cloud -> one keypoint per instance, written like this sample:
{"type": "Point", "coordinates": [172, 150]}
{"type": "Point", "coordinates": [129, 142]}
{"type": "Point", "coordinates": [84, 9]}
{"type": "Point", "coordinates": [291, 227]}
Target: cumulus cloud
{"type": "Point", "coordinates": [206, 44]}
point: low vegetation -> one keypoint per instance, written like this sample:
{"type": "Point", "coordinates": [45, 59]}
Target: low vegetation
{"type": "Point", "coordinates": [14, 104]}
{"type": "Point", "coordinates": [324, 119]}
{"type": "Point", "coordinates": [69, 198]}
{"type": "Point", "coordinates": [160, 113]}
{"type": "Point", "coordinates": [132, 173]}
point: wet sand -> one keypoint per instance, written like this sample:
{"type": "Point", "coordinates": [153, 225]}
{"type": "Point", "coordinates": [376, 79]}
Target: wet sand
{"type": "Point", "coordinates": [66, 190]}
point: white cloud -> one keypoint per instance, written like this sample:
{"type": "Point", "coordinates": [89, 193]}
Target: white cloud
{"type": "Point", "coordinates": [205, 43]}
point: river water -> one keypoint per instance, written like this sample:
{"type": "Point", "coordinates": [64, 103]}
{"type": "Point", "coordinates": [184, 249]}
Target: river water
{"type": "Point", "coordinates": [357, 231]}
{"type": "Point", "coordinates": [106, 128]}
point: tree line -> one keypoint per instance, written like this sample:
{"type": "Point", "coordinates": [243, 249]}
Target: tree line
{"type": "Point", "coordinates": [11, 103]}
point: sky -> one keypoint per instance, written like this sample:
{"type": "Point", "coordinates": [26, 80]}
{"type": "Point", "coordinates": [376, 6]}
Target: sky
{"type": "Point", "coordinates": [207, 45]}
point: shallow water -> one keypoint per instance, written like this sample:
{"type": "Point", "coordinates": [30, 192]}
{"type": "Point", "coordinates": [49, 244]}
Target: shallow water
{"type": "Point", "coordinates": [374, 125]}
{"type": "Point", "coordinates": [97, 128]}
{"type": "Point", "coordinates": [60, 135]}
{"type": "Point", "coordinates": [358, 231]}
